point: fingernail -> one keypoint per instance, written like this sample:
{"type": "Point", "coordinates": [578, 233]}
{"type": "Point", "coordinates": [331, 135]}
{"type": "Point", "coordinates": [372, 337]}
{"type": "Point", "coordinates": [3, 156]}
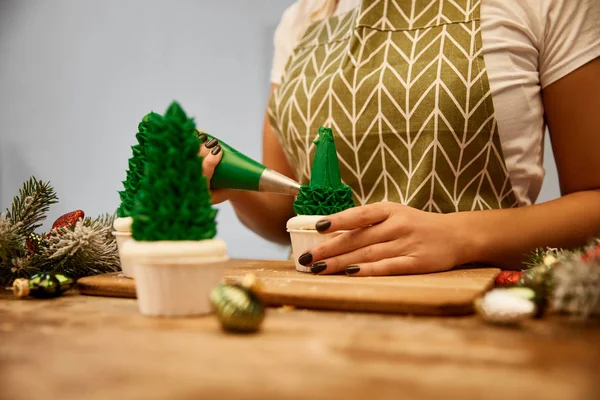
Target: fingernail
{"type": "Point", "coordinates": [353, 269]}
{"type": "Point", "coordinates": [323, 225]}
{"type": "Point", "coordinates": [318, 267]}
{"type": "Point", "coordinates": [212, 143]}
{"type": "Point", "coordinates": [215, 150]}
{"type": "Point", "coordinates": [202, 137]}
{"type": "Point", "coordinates": [305, 259]}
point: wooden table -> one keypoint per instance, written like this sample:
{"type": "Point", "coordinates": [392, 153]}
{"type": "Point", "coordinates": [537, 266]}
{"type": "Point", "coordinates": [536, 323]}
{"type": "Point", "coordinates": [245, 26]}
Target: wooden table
{"type": "Point", "coordinates": [81, 347]}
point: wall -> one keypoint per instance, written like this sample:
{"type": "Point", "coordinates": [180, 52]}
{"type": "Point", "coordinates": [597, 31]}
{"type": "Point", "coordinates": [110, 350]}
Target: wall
{"type": "Point", "coordinates": [77, 76]}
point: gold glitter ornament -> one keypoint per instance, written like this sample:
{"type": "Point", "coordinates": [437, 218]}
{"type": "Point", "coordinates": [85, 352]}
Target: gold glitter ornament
{"type": "Point", "coordinates": [239, 307]}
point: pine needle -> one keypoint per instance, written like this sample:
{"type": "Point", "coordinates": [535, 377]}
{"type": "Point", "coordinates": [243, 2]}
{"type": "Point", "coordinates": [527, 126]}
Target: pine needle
{"type": "Point", "coordinates": [87, 249]}
{"type": "Point", "coordinates": [30, 206]}
{"type": "Point", "coordinates": [537, 256]}
{"type": "Point", "coordinates": [576, 287]}
{"type": "Point", "coordinates": [12, 253]}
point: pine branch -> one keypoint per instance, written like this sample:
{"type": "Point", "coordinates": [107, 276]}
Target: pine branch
{"type": "Point", "coordinates": [106, 220]}
{"type": "Point", "coordinates": [18, 267]}
{"type": "Point", "coordinates": [537, 256]}
{"type": "Point", "coordinates": [576, 287]}
{"type": "Point", "coordinates": [30, 206]}
{"type": "Point", "coordinates": [11, 243]}
{"type": "Point", "coordinates": [12, 253]}
{"type": "Point", "coordinates": [87, 249]}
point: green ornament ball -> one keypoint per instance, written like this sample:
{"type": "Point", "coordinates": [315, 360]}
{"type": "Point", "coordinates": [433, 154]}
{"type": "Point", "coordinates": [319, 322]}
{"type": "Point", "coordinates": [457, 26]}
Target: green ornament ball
{"type": "Point", "coordinates": [238, 307]}
{"type": "Point", "coordinates": [43, 285]}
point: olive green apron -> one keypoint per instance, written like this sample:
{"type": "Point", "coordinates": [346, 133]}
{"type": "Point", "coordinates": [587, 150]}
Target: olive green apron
{"type": "Point", "coordinates": [403, 85]}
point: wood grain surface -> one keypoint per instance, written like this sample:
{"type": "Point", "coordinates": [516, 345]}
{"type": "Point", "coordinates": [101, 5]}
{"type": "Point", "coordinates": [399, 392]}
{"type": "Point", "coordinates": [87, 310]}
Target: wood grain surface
{"type": "Point", "coordinates": [444, 293]}
{"type": "Point", "coordinates": [100, 348]}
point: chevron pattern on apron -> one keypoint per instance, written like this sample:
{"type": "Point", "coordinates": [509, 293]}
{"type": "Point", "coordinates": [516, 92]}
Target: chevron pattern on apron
{"type": "Point", "coordinates": [404, 87]}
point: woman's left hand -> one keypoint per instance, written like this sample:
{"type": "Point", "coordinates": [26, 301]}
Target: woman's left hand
{"type": "Point", "coordinates": [388, 239]}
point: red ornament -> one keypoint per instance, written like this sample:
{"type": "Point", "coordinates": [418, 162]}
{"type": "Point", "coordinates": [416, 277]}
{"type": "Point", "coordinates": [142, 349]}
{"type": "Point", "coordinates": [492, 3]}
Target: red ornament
{"type": "Point", "coordinates": [68, 220]}
{"type": "Point", "coordinates": [508, 278]}
{"type": "Point", "coordinates": [591, 254]}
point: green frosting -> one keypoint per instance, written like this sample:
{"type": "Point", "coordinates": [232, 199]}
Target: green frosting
{"type": "Point", "coordinates": [173, 202]}
{"type": "Point", "coordinates": [321, 200]}
{"type": "Point", "coordinates": [136, 165]}
{"type": "Point", "coordinates": [326, 194]}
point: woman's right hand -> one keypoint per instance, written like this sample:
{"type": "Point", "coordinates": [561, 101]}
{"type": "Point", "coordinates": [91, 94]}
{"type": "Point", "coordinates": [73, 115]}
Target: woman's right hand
{"type": "Point", "coordinates": [210, 150]}
{"type": "Point", "coordinates": [251, 207]}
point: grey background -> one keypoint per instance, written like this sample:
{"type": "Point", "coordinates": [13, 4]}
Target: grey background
{"type": "Point", "coordinates": [76, 76]}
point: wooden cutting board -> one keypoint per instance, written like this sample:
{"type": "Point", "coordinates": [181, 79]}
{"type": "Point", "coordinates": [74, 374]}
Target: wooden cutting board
{"type": "Point", "coordinates": [442, 293]}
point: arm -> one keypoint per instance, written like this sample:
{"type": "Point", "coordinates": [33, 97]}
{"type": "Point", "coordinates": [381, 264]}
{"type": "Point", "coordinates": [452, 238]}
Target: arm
{"type": "Point", "coordinates": [572, 107]}
{"type": "Point", "coordinates": [388, 238]}
{"type": "Point", "coordinates": [264, 213]}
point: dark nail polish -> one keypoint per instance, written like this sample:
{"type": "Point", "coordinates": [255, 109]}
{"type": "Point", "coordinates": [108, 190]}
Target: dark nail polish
{"type": "Point", "coordinates": [353, 269]}
{"type": "Point", "coordinates": [212, 143]}
{"type": "Point", "coordinates": [305, 259]}
{"type": "Point", "coordinates": [215, 150]}
{"type": "Point", "coordinates": [318, 267]}
{"type": "Point", "coordinates": [323, 225]}
{"type": "Point", "coordinates": [202, 137]}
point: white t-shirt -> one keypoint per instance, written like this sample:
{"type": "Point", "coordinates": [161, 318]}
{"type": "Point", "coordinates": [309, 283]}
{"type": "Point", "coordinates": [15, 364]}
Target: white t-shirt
{"type": "Point", "coordinates": [527, 45]}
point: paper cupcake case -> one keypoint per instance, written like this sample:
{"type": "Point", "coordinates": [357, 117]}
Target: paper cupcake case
{"type": "Point", "coordinates": [122, 233]}
{"type": "Point", "coordinates": [175, 278]}
{"type": "Point", "coordinates": [304, 236]}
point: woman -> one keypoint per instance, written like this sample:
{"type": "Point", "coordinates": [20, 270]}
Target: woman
{"type": "Point", "coordinates": [439, 108]}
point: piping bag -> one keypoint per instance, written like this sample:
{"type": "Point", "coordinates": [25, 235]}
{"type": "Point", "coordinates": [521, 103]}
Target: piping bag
{"type": "Point", "coordinates": [239, 172]}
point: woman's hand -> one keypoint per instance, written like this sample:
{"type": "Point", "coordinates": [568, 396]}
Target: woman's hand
{"type": "Point", "coordinates": [387, 239]}
{"type": "Point", "coordinates": [211, 151]}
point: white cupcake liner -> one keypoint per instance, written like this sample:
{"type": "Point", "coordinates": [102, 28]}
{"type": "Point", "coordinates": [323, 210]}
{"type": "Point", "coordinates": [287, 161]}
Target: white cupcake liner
{"type": "Point", "coordinates": [123, 224]}
{"type": "Point", "coordinates": [304, 236]}
{"type": "Point", "coordinates": [304, 240]}
{"type": "Point", "coordinates": [122, 232]}
{"type": "Point", "coordinates": [122, 238]}
{"type": "Point", "coordinates": [175, 278]}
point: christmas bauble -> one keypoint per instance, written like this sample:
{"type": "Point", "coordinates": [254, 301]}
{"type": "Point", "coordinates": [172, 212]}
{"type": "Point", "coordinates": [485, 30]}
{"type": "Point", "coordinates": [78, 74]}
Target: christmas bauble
{"type": "Point", "coordinates": [506, 306]}
{"type": "Point", "coordinates": [33, 242]}
{"type": "Point", "coordinates": [593, 253]}
{"type": "Point", "coordinates": [68, 220]}
{"type": "Point", "coordinates": [43, 285]}
{"type": "Point", "coordinates": [239, 307]}
{"type": "Point", "coordinates": [508, 278]}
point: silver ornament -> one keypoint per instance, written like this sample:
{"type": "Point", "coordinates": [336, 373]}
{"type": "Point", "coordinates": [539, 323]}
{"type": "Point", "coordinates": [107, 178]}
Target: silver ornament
{"type": "Point", "coordinates": [506, 306]}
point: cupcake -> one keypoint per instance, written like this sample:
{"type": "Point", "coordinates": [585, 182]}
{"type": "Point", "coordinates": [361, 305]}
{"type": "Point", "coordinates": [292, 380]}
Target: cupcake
{"type": "Point", "coordinates": [324, 195]}
{"type": "Point", "coordinates": [134, 177]}
{"type": "Point", "coordinates": [176, 259]}
{"type": "Point", "coordinates": [176, 277]}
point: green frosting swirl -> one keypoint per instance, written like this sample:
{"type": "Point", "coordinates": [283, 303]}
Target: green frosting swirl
{"type": "Point", "coordinates": [136, 165]}
{"type": "Point", "coordinates": [326, 193]}
{"type": "Point", "coordinates": [321, 200]}
{"type": "Point", "coordinates": [173, 202]}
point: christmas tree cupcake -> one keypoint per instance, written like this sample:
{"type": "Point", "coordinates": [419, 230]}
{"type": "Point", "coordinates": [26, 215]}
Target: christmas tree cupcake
{"type": "Point", "coordinates": [325, 195]}
{"type": "Point", "coordinates": [176, 259]}
{"type": "Point", "coordinates": [134, 177]}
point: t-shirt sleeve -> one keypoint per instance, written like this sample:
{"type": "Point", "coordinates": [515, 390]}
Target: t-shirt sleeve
{"type": "Point", "coordinates": [293, 23]}
{"type": "Point", "coordinates": [571, 37]}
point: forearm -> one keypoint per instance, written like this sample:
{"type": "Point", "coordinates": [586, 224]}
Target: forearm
{"type": "Point", "coordinates": [503, 237]}
{"type": "Point", "coordinates": [265, 214]}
